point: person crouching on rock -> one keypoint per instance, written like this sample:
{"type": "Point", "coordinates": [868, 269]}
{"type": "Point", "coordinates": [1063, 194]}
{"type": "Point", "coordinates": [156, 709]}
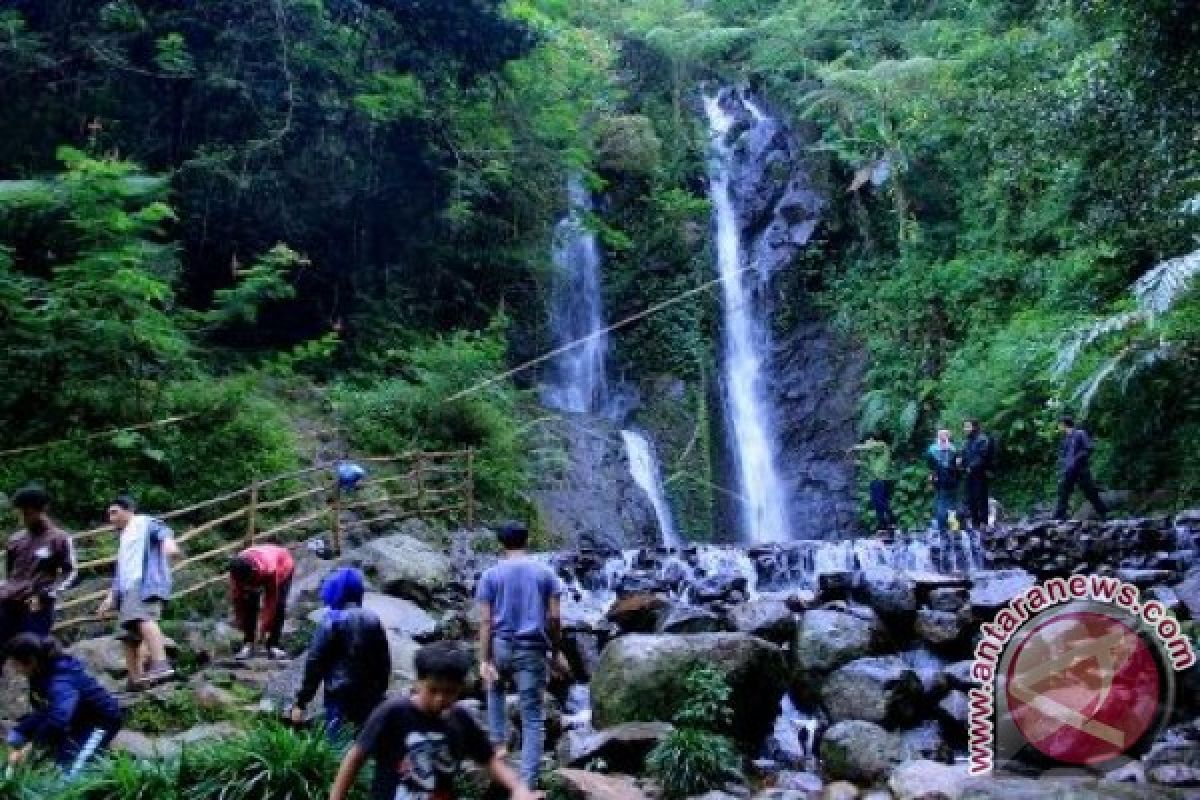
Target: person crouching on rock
{"type": "Point", "coordinates": [141, 586]}
{"type": "Point", "coordinates": [73, 716]}
{"type": "Point", "coordinates": [260, 579]}
{"type": "Point", "coordinates": [349, 654]}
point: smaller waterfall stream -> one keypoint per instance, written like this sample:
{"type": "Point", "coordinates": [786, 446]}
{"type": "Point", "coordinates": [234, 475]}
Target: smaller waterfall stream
{"type": "Point", "coordinates": [648, 475]}
{"type": "Point", "coordinates": [578, 382]}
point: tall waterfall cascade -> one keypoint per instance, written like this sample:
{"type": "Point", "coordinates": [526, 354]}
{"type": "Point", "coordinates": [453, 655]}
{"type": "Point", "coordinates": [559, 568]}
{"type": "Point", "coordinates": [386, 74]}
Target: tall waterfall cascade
{"type": "Point", "coordinates": [752, 438]}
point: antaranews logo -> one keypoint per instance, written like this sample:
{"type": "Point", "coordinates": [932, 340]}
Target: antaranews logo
{"type": "Point", "coordinates": [1076, 672]}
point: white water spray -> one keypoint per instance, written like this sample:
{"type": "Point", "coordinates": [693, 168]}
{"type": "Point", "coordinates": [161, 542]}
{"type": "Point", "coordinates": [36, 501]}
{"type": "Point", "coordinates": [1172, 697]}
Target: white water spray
{"type": "Point", "coordinates": [764, 504]}
{"type": "Point", "coordinates": [648, 475]}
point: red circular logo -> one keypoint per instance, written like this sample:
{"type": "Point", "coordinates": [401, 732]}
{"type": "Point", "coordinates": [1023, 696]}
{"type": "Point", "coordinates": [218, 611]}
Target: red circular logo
{"type": "Point", "coordinates": [1083, 688]}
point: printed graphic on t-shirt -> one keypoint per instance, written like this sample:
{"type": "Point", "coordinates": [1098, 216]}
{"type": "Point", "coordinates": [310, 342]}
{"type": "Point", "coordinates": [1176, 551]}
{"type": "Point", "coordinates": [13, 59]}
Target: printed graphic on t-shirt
{"type": "Point", "coordinates": [428, 762]}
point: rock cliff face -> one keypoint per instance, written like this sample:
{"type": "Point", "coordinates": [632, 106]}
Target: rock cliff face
{"type": "Point", "coordinates": [814, 375]}
{"type": "Point", "coordinates": [586, 494]}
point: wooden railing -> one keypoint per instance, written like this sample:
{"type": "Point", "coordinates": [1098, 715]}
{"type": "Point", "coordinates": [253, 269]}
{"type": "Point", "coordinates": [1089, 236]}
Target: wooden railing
{"type": "Point", "coordinates": [285, 509]}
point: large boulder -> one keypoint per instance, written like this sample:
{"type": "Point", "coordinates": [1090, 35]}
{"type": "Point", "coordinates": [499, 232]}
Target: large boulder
{"type": "Point", "coordinates": [991, 591]}
{"type": "Point", "coordinates": [641, 677]}
{"type": "Point", "coordinates": [889, 592]}
{"type": "Point", "coordinates": [102, 655]}
{"type": "Point", "coordinates": [1188, 593]}
{"type": "Point", "coordinates": [859, 751]}
{"type": "Point", "coordinates": [622, 748]}
{"type": "Point", "coordinates": [940, 627]}
{"type": "Point", "coordinates": [927, 780]}
{"type": "Point", "coordinates": [580, 785]}
{"type": "Point", "coordinates": [689, 619]}
{"type": "Point", "coordinates": [884, 690]}
{"type": "Point", "coordinates": [767, 618]}
{"type": "Point", "coordinates": [404, 566]}
{"type": "Point", "coordinates": [642, 612]}
{"type": "Point", "coordinates": [1043, 788]}
{"type": "Point", "coordinates": [401, 616]}
{"type": "Point", "coordinates": [825, 640]}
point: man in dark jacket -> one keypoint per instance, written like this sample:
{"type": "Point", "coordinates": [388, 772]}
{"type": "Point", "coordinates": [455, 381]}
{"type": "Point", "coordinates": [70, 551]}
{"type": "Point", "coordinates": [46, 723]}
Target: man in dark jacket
{"type": "Point", "coordinates": [73, 717]}
{"type": "Point", "coordinates": [349, 654]}
{"type": "Point", "coordinates": [39, 563]}
{"type": "Point", "coordinates": [976, 463]}
{"type": "Point", "coordinates": [1075, 469]}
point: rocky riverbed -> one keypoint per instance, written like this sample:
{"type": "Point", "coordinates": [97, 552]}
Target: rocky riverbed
{"type": "Point", "coordinates": [848, 662]}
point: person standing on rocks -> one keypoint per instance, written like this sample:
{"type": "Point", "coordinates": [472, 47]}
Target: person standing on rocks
{"type": "Point", "coordinates": [349, 654]}
{"type": "Point", "coordinates": [260, 579]}
{"type": "Point", "coordinates": [876, 460]}
{"type": "Point", "coordinates": [73, 717]}
{"type": "Point", "coordinates": [418, 742]}
{"type": "Point", "coordinates": [519, 626]}
{"type": "Point", "coordinates": [141, 587]}
{"type": "Point", "coordinates": [942, 458]}
{"type": "Point", "coordinates": [39, 565]}
{"type": "Point", "coordinates": [976, 464]}
{"type": "Point", "coordinates": [1075, 469]}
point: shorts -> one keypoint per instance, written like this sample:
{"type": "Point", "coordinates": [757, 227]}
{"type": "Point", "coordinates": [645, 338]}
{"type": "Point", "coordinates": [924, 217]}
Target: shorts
{"type": "Point", "coordinates": [134, 609]}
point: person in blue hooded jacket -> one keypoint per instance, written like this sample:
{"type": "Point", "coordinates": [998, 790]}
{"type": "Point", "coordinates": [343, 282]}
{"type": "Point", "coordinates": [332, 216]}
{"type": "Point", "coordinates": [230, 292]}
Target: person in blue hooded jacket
{"type": "Point", "coordinates": [944, 474]}
{"type": "Point", "coordinates": [349, 655]}
{"type": "Point", "coordinates": [73, 716]}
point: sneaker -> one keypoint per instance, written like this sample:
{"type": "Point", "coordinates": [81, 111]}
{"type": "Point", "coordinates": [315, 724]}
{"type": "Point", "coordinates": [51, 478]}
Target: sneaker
{"type": "Point", "coordinates": [276, 654]}
{"type": "Point", "coordinates": [246, 653]}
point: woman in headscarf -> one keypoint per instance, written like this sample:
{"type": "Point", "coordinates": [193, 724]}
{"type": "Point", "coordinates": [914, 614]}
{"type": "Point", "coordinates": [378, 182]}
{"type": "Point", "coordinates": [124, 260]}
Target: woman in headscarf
{"type": "Point", "coordinates": [349, 655]}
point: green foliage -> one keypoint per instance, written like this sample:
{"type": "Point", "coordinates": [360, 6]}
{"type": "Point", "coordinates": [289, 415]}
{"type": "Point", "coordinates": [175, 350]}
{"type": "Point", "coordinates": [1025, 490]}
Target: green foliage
{"type": "Point", "coordinates": [691, 762]}
{"type": "Point", "coordinates": [446, 399]}
{"type": "Point", "coordinates": [126, 777]}
{"type": "Point", "coordinates": [1006, 175]}
{"type": "Point", "coordinates": [172, 713]}
{"type": "Point", "coordinates": [269, 762]}
{"type": "Point", "coordinates": [707, 706]}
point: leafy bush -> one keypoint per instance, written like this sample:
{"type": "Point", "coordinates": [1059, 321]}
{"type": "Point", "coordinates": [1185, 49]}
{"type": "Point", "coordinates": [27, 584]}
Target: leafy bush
{"type": "Point", "coordinates": [171, 713]}
{"type": "Point", "coordinates": [691, 762]}
{"type": "Point", "coordinates": [233, 435]}
{"type": "Point", "coordinates": [126, 777]}
{"type": "Point", "coordinates": [707, 706]}
{"type": "Point", "coordinates": [270, 762]}
{"type": "Point", "coordinates": [420, 411]}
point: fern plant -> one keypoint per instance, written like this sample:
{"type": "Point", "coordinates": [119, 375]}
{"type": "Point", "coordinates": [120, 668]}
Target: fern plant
{"type": "Point", "coordinates": [1146, 337]}
{"type": "Point", "coordinates": [690, 762]}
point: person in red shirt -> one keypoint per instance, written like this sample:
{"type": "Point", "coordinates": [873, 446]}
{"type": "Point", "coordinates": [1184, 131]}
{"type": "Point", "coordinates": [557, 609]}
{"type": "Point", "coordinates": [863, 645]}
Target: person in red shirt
{"type": "Point", "coordinates": [260, 579]}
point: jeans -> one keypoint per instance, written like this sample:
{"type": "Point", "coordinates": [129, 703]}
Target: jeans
{"type": "Point", "coordinates": [252, 605]}
{"type": "Point", "coordinates": [79, 749]}
{"type": "Point", "coordinates": [881, 502]}
{"type": "Point", "coordinates": [944, 501]}
{"type": "Point", "coordinates": [526, 666]}
{"type": "Point", "coordinates": [16, 619]}
{"type": "Point", "coordinates": [345, 718]}
{"type": "Point", "coordinates": [977, 498]}
{"type": "Point", "coordinates": [1081, 476]}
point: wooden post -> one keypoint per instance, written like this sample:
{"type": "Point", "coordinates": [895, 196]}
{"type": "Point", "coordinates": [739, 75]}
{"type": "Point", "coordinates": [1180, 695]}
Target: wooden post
{"type": "Point", "coordinates": [336, 504]}
{"type": "Point", "coordinates": [420, 483]}
{"type": "Point", "coordinates": [252, 514]}
{"type": "Point", "coordinates": [470, 487]}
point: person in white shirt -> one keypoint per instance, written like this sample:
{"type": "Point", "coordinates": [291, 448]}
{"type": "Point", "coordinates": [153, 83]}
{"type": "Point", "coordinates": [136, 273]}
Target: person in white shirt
{"type": "Point", "coordinates": [141, 586]}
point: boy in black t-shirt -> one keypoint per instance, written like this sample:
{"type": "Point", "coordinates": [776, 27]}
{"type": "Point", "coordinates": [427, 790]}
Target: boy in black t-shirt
{"type": "Point", "coordinates": [418, 741]}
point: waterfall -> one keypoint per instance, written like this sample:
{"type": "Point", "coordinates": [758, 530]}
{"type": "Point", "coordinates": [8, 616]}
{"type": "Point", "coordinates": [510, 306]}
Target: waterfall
{"type": "Point", "coordinates": [578, 383]}
{"type": "Point", "coordinates": [648, 475]}
{"type": "Point", "coordinates": [577, 380]}
{"type": "Point", "coordinates": [746, 345]}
